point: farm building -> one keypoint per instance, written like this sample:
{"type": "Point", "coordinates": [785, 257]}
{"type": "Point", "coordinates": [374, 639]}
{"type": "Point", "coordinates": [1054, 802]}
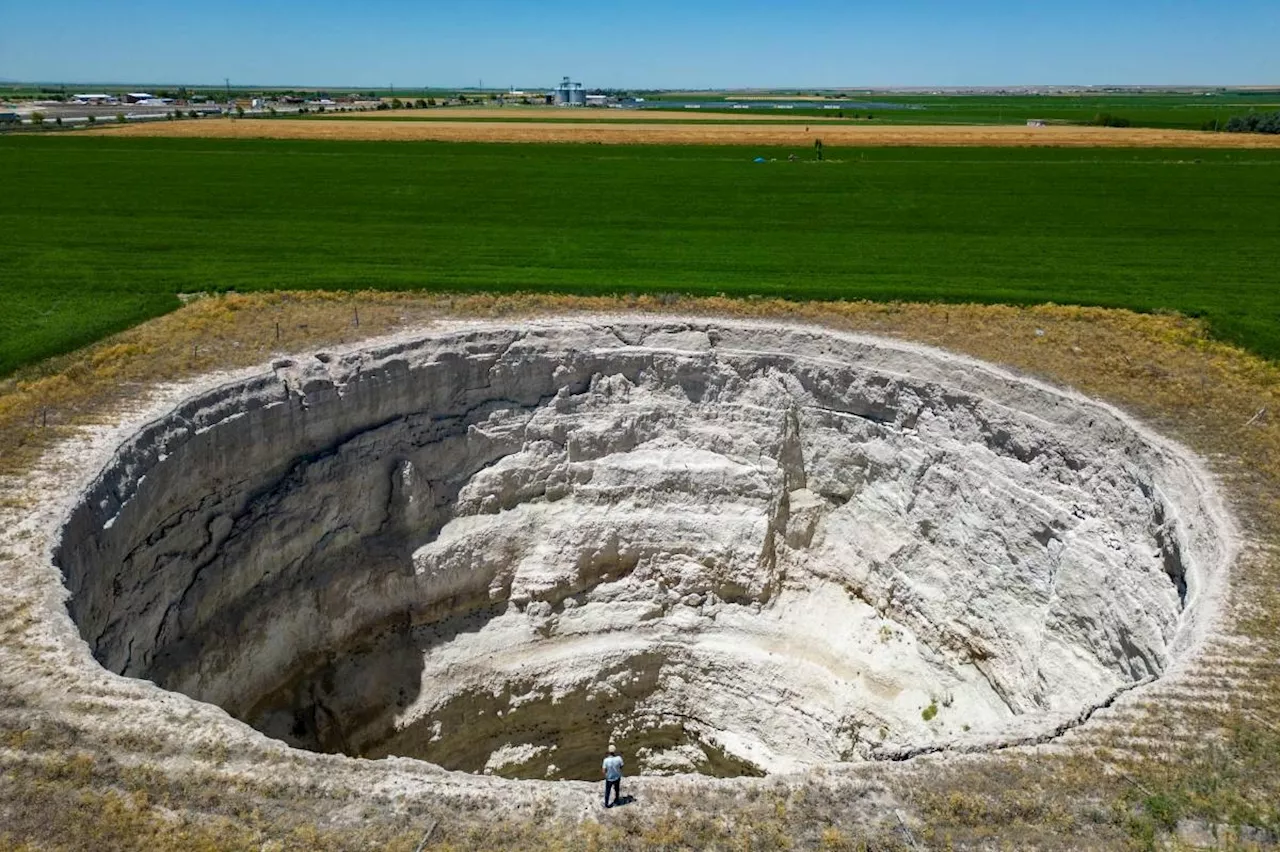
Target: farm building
{"type": "Point", "coordinates": [1036, 122]}
{"type": "Point", "coordinates": [146, 99]}
{"type": "Point", "coordinates": [94, 99]}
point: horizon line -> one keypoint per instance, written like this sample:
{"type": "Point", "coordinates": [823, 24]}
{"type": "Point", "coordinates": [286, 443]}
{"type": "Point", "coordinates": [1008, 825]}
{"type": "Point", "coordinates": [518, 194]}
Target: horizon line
{"type": "Point", "coordinates": [6, 82]}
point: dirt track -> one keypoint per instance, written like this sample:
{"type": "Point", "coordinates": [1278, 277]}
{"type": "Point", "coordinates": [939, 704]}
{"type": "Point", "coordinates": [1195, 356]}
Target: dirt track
{"type": "Point", "coordinates": [618, 133]}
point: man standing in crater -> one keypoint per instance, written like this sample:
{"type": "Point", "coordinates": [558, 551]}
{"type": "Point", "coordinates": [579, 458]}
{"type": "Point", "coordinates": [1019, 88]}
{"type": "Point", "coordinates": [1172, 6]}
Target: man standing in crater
{"type": "Point", "coordinates": [612, 767]}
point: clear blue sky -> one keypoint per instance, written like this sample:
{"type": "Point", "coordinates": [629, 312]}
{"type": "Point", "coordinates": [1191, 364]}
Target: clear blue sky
{"type": "Point", "coordinates": [659, 44]}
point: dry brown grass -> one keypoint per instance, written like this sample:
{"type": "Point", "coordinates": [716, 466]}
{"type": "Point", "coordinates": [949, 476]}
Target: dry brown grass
{"type": "Point", "coordinates": [1211, 761]}
{"type": "Point", "coordinates": [693, 133]}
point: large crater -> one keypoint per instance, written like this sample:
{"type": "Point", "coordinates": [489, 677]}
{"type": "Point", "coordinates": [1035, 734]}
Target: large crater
{"type": "Point", "coordinates": [730, 548]}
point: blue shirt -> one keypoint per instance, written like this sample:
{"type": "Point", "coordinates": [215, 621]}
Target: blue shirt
{"type": "Point", "coordinates": [612, 767]}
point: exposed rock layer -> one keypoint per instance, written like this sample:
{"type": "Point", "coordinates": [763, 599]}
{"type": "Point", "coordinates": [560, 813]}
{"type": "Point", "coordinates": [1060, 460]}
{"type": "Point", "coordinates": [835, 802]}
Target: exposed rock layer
{"type": "Point", "coordinates": [731, 548]}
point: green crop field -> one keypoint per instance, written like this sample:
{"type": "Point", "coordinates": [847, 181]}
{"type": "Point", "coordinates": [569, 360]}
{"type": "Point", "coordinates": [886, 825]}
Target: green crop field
{"type": "Point", "coordinates": [100, 233]}
{"type": "Point", "coordinates": [1162, 110]}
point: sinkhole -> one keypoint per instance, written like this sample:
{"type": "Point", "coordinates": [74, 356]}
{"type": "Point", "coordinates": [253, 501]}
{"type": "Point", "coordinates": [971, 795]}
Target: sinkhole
{"type": "Point", "coordinates": [730, 548]}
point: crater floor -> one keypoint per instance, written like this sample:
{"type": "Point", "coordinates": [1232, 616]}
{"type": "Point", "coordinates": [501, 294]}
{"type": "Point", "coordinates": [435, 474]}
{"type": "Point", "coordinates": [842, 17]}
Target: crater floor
{"type": "Point", "coordinates": [729, 548]}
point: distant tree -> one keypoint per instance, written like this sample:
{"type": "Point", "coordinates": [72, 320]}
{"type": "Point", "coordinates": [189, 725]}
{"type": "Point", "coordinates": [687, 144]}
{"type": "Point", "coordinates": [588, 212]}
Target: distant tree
{"type": "Point", "coordinates": [271, 111]}
{"type": "Point", "coordinates": [239, 111]}
{"type": "Point", "coordinates": [93, 119]}
{"type": "Point", "coordinates": [37, 118]}
{"type": "Point", "coordinates": [1266, 122]}
{"type": "Point", "coordinates": [420, 103]}
{"type": "Point", "coordinates": [58, 121]}
{"type": "Point", "coordinates": [120, 117]}
{"type": "Point", "coordinates": [431, 101]}
{"type": "Point", "coordinates": [193, 114]}
{"type": "Point", "coordinates": [1106, 119]}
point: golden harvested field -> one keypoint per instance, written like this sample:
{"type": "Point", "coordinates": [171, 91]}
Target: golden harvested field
{"type": "Point", "coordinates": [553, 114]}
{"type": "Point", "coordinates": [693, 133]}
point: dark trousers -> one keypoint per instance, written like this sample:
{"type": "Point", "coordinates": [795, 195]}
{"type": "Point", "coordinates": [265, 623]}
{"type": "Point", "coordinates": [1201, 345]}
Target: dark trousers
{"type": "Point", "coordinates": [612, 785]}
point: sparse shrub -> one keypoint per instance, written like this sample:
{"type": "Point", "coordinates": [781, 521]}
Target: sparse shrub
{"type": "Point", "coordinates": [1162, 809]}
{"type": "Point", "coordinates": [193, 114]}
{"type": "Point", "coordinates": [239, 112]}
{"type": "Point", "coordinates": [929, 712]}
{"type": "Point", "coordinates": [120, 118]}
{"type": "Point", "coordinates": [93, 119]}
{"type": "Point", "coordinates": [58, 121]}
{"type": "Point", "coordinates": [37, 118]}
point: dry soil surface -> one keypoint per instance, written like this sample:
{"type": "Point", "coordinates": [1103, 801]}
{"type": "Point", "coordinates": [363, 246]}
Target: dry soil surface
{"type": "Point", "coordinates": [695, 134]}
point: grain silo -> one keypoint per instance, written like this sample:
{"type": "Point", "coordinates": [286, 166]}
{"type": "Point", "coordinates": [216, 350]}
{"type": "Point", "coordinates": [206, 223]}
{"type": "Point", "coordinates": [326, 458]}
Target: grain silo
{"type": "Point", "coordinates": [570, 94]}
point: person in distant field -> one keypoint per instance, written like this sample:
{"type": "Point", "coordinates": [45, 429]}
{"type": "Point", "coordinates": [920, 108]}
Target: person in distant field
{"type": "Point", "coordinates": [817, 147]}
{"type": "Point", "coordinates": [612, 768]}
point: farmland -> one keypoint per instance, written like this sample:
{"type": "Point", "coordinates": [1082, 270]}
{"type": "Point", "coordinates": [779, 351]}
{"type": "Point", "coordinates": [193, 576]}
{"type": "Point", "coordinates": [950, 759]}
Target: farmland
{"type": "Point", "coordinates": [670, 128]}
{"type": "Point", "coordinates": [1169, 110]}
{"type": "Point", "coordinates": [107, 230]}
